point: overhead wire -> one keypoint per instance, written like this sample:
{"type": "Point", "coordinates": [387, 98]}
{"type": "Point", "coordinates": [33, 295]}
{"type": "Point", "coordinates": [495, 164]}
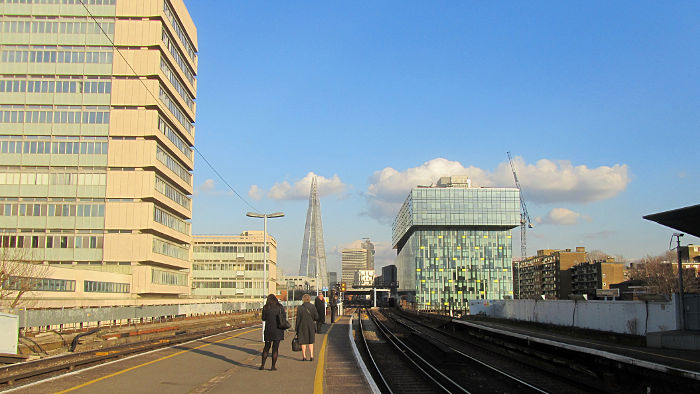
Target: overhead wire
{"type": "Point", "coordinates": [157, 99]}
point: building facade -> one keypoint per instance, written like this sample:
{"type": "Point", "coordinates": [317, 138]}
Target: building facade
{"type": "Point", "coordinates": [453, 242]}
{"type": "Point", "coordinates": [587, 277]}
{"type": "Point", "coordinates": [232, 265]}
{"type": "Point", "coordinates": [547, 273]}
{"type": "Point", "coordinates": [355, 259]}
{"type": "Point", "coordinates": [96, 141]}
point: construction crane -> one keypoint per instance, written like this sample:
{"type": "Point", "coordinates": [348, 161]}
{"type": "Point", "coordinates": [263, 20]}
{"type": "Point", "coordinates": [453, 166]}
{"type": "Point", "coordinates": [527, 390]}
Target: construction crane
{"type": "Point", "coordinates": [524, 216]}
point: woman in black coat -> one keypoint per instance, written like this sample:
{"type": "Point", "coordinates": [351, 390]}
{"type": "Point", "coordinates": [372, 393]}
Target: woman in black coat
{"type": "Point", "coordinates": [272, 335]}
{"type": "Point", "coordinates": [306, 315]}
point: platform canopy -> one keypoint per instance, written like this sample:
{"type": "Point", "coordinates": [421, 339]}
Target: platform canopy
{"type": "Point", "coordinates": [686, 219]}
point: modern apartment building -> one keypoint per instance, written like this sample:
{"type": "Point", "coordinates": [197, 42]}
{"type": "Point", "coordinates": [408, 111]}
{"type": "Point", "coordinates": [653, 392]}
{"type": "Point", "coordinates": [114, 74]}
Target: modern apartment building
{"type": "Point", "coordinates": [454, 243]}
{"type": "Point", "coordinates": [355, 259]}
{"type": "Point", "coordinates": [547, 273]}
{"type": "Point", "coordinates": [232, 265]}
{"type": "Point", "coordinates": [97, 111]}
{"type": "Point", "coordinates": [588, 277]}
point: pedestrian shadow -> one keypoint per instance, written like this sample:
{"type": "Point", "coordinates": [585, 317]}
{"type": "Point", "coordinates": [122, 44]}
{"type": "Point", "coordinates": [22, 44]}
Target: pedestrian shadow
{"type": "Point", "coordinates": [218, 357]}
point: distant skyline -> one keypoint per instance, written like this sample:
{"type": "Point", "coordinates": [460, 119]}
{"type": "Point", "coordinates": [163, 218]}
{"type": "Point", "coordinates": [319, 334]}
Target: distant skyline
{"type": "Point", "coordinates": [597, 101]}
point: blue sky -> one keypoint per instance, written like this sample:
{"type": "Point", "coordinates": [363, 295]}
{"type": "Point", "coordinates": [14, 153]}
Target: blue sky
{"type": "Point", "coordinates": [597, 101]}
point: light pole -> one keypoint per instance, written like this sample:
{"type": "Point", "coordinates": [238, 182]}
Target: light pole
{"type": "Point", "coordinates": [264, 216]}
{"type": "Point", "coordinates": [680, 278]}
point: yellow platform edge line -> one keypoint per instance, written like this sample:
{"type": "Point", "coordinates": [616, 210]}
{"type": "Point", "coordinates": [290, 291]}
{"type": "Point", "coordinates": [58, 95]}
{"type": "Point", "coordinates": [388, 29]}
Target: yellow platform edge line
{"type": "Point", "coordinates": [149, 363]}
{"type": "Point", "coordinates": [321, 366]}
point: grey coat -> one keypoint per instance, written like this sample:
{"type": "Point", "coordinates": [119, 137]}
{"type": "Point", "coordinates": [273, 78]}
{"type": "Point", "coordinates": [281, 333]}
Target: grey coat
{"type": "Point", "coordinates": [306, 329]}
{"type": "Point", "coordinates": [269, 316]}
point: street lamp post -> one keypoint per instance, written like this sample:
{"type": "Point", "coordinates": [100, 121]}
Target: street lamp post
{"type": "Point", "coordinates": [264, 216]}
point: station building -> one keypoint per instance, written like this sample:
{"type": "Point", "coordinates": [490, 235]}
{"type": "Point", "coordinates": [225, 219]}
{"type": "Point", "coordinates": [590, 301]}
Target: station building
{"type": "Point", "coordinates": [453, 242]}
{"type": "Point", "coordinates": [97, 111]}
{"type": "Point", "coordinates": [231, 266]}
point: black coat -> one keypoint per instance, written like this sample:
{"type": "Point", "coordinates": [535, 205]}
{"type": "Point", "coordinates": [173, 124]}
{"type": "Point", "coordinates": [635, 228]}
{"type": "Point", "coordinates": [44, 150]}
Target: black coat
{"type": "Point", "coordinates": [321, 309]}
{"type": "Point", "coordinates": [306, 329]}
{"type": "Point", "coordinates": [269, 316]}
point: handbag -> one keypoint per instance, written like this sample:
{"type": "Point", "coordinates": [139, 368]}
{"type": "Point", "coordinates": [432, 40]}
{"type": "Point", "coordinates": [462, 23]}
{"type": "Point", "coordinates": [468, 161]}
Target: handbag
{"type": "Point", "coordinates": [282, 322]}
{"type": "Point", "coordinates": [296, 347]}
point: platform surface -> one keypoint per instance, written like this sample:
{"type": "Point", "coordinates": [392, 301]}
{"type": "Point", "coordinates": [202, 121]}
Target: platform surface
{"type": "Point", "coordinates": [225, 363]}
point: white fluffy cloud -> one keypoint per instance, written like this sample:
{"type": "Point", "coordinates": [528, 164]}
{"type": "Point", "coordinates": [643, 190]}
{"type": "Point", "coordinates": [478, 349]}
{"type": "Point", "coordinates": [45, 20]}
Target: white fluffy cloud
{"type": "Point", "coordinates": [299, 190]}
{"type": "Point", "coordinates": [206, 187]}
{"type": "Point", "coordinates": [543, 182]}
{"type": "Point", "coordinates": [255, 193]}
{"type": "Point", "coordinates": [561, 216]}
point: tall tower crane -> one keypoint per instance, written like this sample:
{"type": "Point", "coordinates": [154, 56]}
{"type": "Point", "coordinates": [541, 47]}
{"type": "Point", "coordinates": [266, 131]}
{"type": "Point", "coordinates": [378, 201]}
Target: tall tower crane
{"type": "Point", "coordinates": [524, 216]}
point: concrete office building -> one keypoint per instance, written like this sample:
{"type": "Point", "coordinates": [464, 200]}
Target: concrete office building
{"type": "Point", "coordinates": [96, 142]}
{"type": "Point", "coordinates": [454, 243]}
{"type": "Point", "coordinates": [355, 259]}
{"type": "Point", "coordinates": [588, 277]}
{"type": "Point", "coordinates": [232, 265]}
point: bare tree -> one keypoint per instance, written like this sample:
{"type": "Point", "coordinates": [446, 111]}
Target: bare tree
{"type": "Point", "coordinates": [660, 274]}
{"type": "Point", "coordinates": [19, 274]}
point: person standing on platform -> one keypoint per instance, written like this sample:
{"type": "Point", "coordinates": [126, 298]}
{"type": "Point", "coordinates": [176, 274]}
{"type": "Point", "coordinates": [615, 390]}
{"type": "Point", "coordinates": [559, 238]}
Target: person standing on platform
{"type": "Point", "coordinates": [306, 315]}
{"type": "Point", "coordinates": [271, 334]}
{"type": "Point", "coordinates": [320, 304]}
{"type": "Point", "coordinates": [334, 307]}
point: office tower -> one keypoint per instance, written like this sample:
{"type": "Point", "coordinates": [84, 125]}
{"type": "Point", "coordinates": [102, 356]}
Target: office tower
{"type": "Point", "coordinates": [454, 243]}
{"type": "Point", "coordinates": [355, 259]}
{"type": "Point", "coordinates": [332, 279]}
{"type": "Point", "coordinates": [232, 265]}
{"type": "Point", "coordinates": [96, 132]}
{"type": "Point", "coordinates": [313, 251]}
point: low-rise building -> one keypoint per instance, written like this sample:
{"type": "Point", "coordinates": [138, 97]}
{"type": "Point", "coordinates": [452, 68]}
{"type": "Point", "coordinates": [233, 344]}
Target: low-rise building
{"type": "Point", "coordinates": [232, 265]}
{"type": "Point", "coordinates": [588, 277]}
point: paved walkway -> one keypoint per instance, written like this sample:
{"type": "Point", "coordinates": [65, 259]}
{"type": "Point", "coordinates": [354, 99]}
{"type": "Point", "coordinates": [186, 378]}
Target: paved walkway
{"type": "Point", "coordinates": [225, 363]}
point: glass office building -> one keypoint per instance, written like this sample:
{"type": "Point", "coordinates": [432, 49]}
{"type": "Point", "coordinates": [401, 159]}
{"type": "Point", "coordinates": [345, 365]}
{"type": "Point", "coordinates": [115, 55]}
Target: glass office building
{"type": "Point", "coordinates": [454, 244]}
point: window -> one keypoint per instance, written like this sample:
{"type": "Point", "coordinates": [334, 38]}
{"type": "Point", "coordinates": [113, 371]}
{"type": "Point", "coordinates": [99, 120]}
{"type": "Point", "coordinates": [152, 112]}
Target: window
{"type": "Point", "coordinates": [171, 278]}
{"type": "Point", "coordinates": [38, 284]}
{"type": "Point", "coordinates": [90, 286]}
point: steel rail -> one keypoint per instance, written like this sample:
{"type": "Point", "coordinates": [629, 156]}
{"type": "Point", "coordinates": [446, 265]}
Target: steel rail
{"type": "Point", "coordinates": [465, 355]}
{"type": "Point", "coordinates": [430, 372]}
{"type": "Point", "coordinates": [374, 365]}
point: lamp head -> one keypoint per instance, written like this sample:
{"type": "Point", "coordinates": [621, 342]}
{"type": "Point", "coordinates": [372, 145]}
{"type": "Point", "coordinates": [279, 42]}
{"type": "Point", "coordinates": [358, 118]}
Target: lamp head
{"type": "Point", "coordinates": [254, 215]}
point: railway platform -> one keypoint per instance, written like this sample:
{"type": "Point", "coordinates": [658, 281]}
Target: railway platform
{"type": "Point", "coordinates": [223, 363]}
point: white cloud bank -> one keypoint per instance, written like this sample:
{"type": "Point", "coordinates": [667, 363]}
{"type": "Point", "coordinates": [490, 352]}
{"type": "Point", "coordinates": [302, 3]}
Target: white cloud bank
{"type": "Point", "coordinates": [561, 217]}
{"type": "Point", "coordinates": [300, 189]}
{"type": "Point", "coordinates": [545, 181]}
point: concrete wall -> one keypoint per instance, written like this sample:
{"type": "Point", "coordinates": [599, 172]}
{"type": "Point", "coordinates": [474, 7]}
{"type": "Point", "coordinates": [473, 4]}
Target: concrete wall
{"type": "Point", "coordinates": [9, 327]}
{"type": "Point", "coordinates": [625, 317]}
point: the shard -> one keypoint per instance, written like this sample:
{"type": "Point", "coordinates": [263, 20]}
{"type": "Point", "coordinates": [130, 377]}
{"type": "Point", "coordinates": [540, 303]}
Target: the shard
{"type": "Point", "coordinates": [313, 251]}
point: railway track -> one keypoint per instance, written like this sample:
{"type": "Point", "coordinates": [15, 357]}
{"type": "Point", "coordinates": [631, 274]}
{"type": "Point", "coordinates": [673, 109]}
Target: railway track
{"type": "Point", "coordinates": [27, 372]}
{"type": "Point", "coordinates": [444, 367]}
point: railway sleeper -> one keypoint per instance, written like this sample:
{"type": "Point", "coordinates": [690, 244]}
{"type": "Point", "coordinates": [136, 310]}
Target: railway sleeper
{"type": "Point", "coordinates": [433, 351]}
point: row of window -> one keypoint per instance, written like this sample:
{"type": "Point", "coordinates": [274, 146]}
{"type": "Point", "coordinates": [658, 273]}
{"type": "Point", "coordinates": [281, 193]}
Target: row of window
{"type": "Point", "coordinates": [227, 267]}
{"type": "Point", "coordinates": [168, 249]}
{"type": "Point", "coordinates": [66, 117]}
{"type": "Point", "coordinates": [171, 221]}
{"type": "Point", "coordinates": [173, 165]}
{"type": "Point", "coordinates": [52, 241]}
{"type": "Point", "coordinates": [165, 128]}
{"type": "Point", "coordinates": [228, 249]}
{"type": "Point", "coordinates": [53, 26]}
{"type": "Point", "coordinates": [67, 2]}
{"type": "Point", "coordinates": [175, 110]}
{"type": "Point", "coordinates": [88, 179]}
{"type": "Point", "coordinates": [44, 86]}
{"type": "Point", "coordinates": [173, 49]}
{"type": "Point", "coordinates": [91, 286]}
{"type": "Point", "coordinates": [172, 77]}
{"type": "Point", "coordinates": [167, 190]}
{"type": "Point", "coordinates": [56, 56]}
{"type": "Point", "coordinates": [46, 209]}
{"type": "Point", "coordinates": [162, 277]}
{"type": "Point", "coordinates": [222, 285]}
{"type": "Point", "coordinates": [179, 30]}
{"type": "Point", "coordinates": [37, 284]}
{"type": "Point", "coordinates": [56, 148]}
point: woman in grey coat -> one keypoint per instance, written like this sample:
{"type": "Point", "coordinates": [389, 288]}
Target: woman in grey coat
{"type": "Point", "coordinates": [306, 315]}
